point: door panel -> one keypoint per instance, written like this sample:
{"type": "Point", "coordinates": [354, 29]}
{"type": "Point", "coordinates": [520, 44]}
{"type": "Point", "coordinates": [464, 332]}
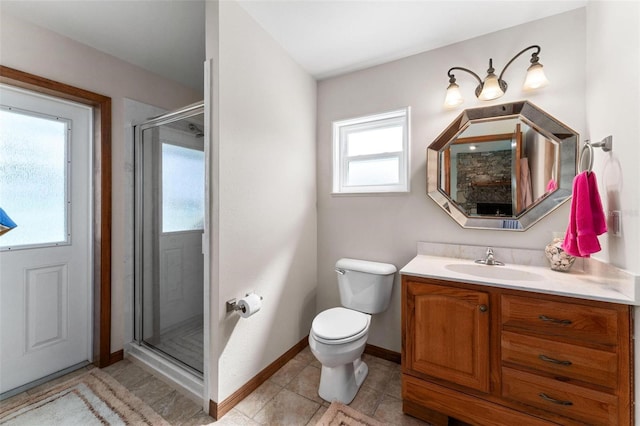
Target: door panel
{"type": "Point", "coordinates": [45, 277]}
{"type": "Point", "coordinates": [448, 333]}
{"type": "Point", "coordinates": [46, 306]}
{"type": "Point", "coordinates": [170, 224]}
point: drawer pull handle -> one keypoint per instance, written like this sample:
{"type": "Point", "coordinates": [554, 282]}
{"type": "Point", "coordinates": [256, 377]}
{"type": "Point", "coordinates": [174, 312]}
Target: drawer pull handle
{"type": "Point", "coordinates": [553, 360]}
{"type": "Point", "coordinates": [555, 320]}
{"type": "Point", "coordinates": [483, 308]}
{"type": "Point", "coordinates": [555, 401]}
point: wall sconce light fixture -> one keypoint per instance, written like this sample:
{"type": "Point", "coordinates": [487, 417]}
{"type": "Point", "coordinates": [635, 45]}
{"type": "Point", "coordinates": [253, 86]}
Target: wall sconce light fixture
{"type": "Point", "coordinates": [494, 86]}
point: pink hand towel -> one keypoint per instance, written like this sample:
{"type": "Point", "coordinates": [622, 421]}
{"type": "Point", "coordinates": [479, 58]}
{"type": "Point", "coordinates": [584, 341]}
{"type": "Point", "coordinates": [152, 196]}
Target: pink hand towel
{"type": "Point", "coordinates": [587, 219]}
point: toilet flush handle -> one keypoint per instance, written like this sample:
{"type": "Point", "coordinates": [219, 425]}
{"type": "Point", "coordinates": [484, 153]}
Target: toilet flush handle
{"type": "Point", "coordinates": [341, 271]}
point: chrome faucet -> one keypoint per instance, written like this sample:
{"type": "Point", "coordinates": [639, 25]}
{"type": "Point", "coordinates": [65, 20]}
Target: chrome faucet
{"type": "Point", "coordinates": [490, 259]}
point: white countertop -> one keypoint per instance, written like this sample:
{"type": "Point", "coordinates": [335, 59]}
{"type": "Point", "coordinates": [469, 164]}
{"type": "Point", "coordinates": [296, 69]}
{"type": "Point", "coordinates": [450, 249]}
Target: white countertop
{"type": "Point", "coordinates": [589, 279]}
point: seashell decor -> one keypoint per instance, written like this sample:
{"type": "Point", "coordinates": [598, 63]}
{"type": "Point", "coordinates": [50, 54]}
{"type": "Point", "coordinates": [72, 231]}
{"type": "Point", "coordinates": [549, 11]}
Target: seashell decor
{"type": "Point", "coordinates": [559, 259]}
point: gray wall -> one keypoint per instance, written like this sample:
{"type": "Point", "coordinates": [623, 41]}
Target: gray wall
{"type": "Point", "coordinates": [582, 93]}
{"type": "Point", "coordinates": [387, 227]}
{"type": "Point", "coordinates": [264, 196]}
{"type": "Point", "coordinates": [613, 38]}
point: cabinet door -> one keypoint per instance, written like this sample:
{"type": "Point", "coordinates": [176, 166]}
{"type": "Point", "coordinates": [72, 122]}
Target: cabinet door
{"type": "Point", "coordinates": [447, 333]}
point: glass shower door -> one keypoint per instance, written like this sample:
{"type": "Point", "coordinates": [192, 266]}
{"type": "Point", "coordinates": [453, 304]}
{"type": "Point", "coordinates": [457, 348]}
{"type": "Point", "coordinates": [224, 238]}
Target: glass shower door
{"type": "Point", "coordinates": [169, 227]}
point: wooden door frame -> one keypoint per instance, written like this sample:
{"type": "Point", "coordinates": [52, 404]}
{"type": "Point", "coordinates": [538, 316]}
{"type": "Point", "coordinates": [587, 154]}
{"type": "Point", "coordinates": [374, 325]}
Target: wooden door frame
{"type": "Point", "coordinates": [101, 105]}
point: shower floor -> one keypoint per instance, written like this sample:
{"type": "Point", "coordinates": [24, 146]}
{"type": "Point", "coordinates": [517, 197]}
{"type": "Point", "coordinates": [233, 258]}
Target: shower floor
{"type": "Point", "coordinates": [185, 343]}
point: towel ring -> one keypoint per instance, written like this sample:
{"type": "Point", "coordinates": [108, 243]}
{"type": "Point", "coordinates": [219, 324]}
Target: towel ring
{"type": "Point", "coordinates": [587, 148]}
{"type": "Point", "coordinates": [606, 144]}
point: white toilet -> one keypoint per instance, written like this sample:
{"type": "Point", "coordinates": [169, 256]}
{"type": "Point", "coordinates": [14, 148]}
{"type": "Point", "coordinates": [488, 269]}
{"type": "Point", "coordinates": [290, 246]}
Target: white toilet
{"type": "Point", "coordinates": [338, 335]}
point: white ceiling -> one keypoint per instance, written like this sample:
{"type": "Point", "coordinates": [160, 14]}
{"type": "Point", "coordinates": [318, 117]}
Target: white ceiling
{"type": "Point", "coordinates": [326, 38]}
{"type": "Point", "coordinates": [333, 37]}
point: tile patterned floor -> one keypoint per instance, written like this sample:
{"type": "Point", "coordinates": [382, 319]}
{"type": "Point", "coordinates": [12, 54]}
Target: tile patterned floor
{"type": "Point", "coordinates": [289, 397]}
{"type": "Point", "coordinates": [185, 341]}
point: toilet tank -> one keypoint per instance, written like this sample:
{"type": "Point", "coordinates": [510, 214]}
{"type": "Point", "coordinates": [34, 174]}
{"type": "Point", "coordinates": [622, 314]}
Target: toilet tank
{"type": "Point", "coordinates": [365, 286]}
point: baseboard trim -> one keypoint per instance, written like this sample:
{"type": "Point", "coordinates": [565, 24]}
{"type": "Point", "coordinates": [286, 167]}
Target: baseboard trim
{"type": "Point", "coordinates": [383, 353]}
{"type": "Point", "coordinates": [116, 356]}
{"type": "Point", "coordinates": [217, 410]}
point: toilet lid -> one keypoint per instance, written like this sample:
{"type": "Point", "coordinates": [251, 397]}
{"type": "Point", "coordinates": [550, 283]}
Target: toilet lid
{"type": "Point", "coordinates": [340, 324]}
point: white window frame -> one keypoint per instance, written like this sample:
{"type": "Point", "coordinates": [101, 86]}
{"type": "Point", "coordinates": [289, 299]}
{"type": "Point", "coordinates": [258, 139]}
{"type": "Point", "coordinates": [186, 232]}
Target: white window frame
{"type": "Point", "coordinates": [341, 130]}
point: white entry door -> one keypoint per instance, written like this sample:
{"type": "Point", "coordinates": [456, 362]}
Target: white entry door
{"type": "Point", "coordinates": [45, 262]}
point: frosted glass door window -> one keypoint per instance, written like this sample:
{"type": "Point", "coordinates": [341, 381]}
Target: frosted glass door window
{"type": "Point", "coordinates": [182, 188]}
{"type": "Point", "coordinates": [33, 178]}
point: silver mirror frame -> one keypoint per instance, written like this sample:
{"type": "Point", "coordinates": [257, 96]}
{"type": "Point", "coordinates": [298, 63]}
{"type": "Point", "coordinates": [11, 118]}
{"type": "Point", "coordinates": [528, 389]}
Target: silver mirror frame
{"type": "Point", "coordinates": [536, 118]}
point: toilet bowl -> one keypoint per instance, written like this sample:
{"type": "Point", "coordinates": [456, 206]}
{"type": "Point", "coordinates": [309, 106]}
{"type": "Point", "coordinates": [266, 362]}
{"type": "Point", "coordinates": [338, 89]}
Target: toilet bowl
{"type": "Point", "coordinates": [339, 335]}
{"type": "Point", "coordinates": [337, 339]}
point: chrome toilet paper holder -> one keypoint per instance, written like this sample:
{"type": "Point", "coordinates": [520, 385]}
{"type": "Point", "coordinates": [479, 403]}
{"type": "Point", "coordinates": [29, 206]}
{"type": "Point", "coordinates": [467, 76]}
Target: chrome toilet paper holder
{"type": "Point", "coordinates": [232, 304]}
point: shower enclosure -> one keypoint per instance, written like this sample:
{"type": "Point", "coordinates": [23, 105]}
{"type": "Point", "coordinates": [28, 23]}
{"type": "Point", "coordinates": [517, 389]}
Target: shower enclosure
{"type": "Point", "coordinates": [169, 223]}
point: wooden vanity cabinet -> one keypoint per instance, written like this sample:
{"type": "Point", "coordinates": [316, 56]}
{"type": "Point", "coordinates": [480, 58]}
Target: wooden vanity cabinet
{"type": "Point", "coordinates": [491, 356]}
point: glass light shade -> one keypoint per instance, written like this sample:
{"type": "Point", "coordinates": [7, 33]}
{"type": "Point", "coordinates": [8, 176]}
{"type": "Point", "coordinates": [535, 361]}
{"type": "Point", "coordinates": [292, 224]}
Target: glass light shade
{"type": "Point", "coordinates": [535, 77]}
{"type": "Point", "coordinates": [490, 88]}
{"type": "Point", "coordinates": [453, 97]}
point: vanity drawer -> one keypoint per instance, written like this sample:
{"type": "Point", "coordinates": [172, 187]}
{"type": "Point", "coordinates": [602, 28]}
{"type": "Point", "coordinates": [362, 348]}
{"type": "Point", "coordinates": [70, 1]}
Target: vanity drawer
{"type": "Point", "coordinates": [575, 402]}
{"type": "Point", "coordinates": [579, 323]}
{"type": "Point", "coordinates": [561, 359]}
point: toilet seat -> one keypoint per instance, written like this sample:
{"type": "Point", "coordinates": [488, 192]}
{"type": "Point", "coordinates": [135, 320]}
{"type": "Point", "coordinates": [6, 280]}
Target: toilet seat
{"type": "Point", "coordinates": [336, 326]}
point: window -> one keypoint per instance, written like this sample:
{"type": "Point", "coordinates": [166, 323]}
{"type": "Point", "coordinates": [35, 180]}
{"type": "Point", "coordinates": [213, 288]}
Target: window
{"type": "Point", "coordinates": [33, 178]}
{"type": "Point", "coordinates": [370, 154]}
{"type": "Point", "coordinates": [182, 188]}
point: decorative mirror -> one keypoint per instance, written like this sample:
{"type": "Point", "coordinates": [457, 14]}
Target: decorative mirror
{"type": "Point", "coordinates": [502, 166]}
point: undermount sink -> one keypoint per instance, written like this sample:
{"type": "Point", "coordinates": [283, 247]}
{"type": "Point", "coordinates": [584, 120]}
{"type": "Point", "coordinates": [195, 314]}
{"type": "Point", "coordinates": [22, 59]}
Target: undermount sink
{"type": "Point", "coordinates": [495, 272]}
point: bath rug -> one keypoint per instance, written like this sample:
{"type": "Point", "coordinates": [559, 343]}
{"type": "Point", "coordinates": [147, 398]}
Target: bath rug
{"type": "Point", "coordinates": [339, 414]}
{"type": "Point", "coordinates": [93, 398]}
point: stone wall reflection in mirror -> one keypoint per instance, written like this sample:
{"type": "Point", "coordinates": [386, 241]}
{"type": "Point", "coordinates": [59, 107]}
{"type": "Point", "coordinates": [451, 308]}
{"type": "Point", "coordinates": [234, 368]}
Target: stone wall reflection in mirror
{"type": "Point", "coordinates": [502, 167]}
